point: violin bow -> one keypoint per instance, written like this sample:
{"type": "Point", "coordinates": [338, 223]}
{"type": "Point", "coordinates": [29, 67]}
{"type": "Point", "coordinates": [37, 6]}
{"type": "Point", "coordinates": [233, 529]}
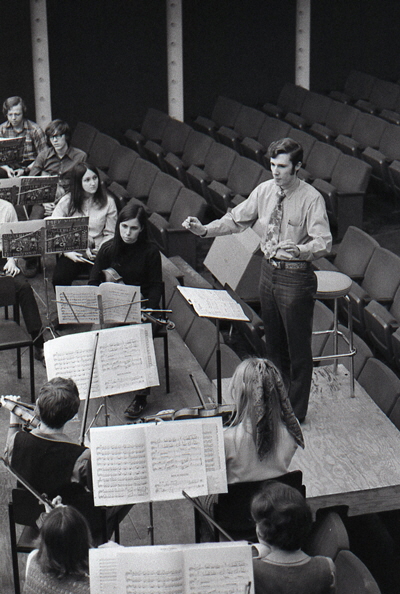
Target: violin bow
{"type": "Point", "coordinates": [43, 499]}
{"type": "Point", "coordinates": [206, 515]}
{"type": "Point", "coordinates": [86, 409]}
{"type": "Point", "coordinates": [199, 393]}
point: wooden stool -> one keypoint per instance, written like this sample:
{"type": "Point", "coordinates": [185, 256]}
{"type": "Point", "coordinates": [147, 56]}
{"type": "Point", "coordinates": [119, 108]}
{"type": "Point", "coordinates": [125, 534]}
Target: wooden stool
{"type": "Point", "coordinates": [332, 285]}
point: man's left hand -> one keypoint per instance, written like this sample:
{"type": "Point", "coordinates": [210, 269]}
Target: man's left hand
{"type": "Point", "coordinates": [287, 250]}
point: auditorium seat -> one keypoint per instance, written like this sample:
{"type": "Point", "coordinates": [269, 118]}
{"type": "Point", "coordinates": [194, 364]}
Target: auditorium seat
{"type": "Point", "coordinates": [271, 130]}
{"type": "Point", "coordinates": [83, 136]}
{"type": "Point", "coordinates": [190, 277]}
{"type": "Point", "coordinates": [384, 95]}
{"type": "Point", "coordinates": [182, 313]}
{"type": "Point", "coordinates": [218, 163]}
{"type": "Point", "coordinates": [352, 576]}
{"type": "Point", "coordinates": [194, 153]}
{"type": "Point", "coordinates": [380, 323]}
{"type": "Point", "coordinates": [243, 177]}
{"type": "Point", "coordinates": [121, 163]}
{"type": "Point", "coordinates": [388, 151]}
{"type": "Point", "coordinates": [173, 141]}
{"type": "Point", "coordinates": [305, 140]}
{"type": "Point", "coordinates": [344, 194]}
{"type": "Point", "coordinates": [141, 178]}
{"type": "Point", "coordinates": [352, 254]}
{"type": "Point", "coordinates": [395, 414]}
{"type": "Point", "coordinates": [381, 384]}
{"type": "Point", "coordinates": [358, 85]}
{"type": "Point", "coordinates": [251, 331]}
{"type": "Point", "coordinates": [224, 113]}
{"type": "Point", "coordinates": [229, 361]}
{"type": "Point", "coordinates": [291, 99]}
{"type": "Point", "coordinates": [152, 128]}
{"type": "Point", "coordinates": [328, 536]}
{"type": "Point", "coordinates": [314, 109]}
{"type": "Point", "coordinates": [367, 132]}
{"type": "Point", "coordinates": [339, 120]}
{"type": "Point", "coordinates": [320, 162]}
{"type": "Point", "coordinates": [380, 282]}
{"type": "Point", "coordinates": [247, 125]}
{"type": "Point", "coordinates": [102, 150]}
{"type": "Point", "coordinates": [171, 238]}
{"type": "Point", "coordinates": [363, 352]}
{"type": "Point", "coordinates": [201, 339]}
{"type": "Point", "coordinates": [163, 194]}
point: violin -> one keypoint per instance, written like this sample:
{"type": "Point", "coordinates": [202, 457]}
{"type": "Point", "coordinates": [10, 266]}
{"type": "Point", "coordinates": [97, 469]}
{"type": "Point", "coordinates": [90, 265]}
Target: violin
{"type": "Point", "coordinates": [22, 410]}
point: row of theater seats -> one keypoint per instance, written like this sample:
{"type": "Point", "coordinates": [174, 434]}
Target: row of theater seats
{"type": "Point", "coordinates": [129, 177]}
{"type": "Point", "coordinates": [341, 178]}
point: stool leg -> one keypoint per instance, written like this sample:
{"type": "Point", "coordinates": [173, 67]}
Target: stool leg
{"type": "Point", "coordinates": [335, 335]}
{"type": "Point", "coordinates": [351, 347]}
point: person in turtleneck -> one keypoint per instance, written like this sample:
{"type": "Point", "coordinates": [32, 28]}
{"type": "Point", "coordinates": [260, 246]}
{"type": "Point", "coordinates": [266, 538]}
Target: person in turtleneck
{"type": "Point", "coordinates": [136, 261]}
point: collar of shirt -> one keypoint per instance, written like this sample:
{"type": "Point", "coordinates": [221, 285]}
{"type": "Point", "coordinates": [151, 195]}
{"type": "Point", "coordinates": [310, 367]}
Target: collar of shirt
{"type": "Point", "coordinates": [24, 125]}
{"type": "Point", "coordinates": [289, 191]}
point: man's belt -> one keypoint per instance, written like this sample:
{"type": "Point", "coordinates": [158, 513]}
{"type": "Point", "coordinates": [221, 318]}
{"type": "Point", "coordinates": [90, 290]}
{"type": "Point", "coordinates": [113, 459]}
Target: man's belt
{"type": "Point", "coordinates": [289, 264]}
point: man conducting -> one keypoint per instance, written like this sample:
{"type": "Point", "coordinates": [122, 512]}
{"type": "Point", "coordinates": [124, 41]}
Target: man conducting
{"type": "Point", "coordinates": [295, 231]}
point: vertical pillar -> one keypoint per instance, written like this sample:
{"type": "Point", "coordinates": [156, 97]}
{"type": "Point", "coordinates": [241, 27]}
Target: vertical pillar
{"type": "Point", "coordinates": [40, 57]}
{"type": "Point", "coordinates": [175, 59]}
{"type": "Point", "coordinates": [303, 32]}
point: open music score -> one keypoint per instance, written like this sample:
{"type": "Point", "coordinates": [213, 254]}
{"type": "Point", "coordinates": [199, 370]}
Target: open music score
{"type": "Point", "coordinates": [225, 568]}
{"type": "Point", "coordinates": [79, 304]}
{"type": "Point", "coordinates": [213, 303]}
{"type": "Point", "coordinates": [11, 150]}
{"type": "Point", "coordinates": [147, 462]}
{"type": "Point", "coordinates": [44, 236]}
{"type": "Point", "coordinates": [125, 360]}
{"type": "Point", "coordinates": [29, 190]}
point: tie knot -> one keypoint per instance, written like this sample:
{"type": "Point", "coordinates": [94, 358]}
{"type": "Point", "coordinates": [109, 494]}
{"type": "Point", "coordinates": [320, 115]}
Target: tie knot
{"type": "Point", "coordinates": [281, 195]}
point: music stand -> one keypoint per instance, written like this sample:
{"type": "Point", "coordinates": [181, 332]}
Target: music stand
{"type": "Point", "coordinates": [11, 150]}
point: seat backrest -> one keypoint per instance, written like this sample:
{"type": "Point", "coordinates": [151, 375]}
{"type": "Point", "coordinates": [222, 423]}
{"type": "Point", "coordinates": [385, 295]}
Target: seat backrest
{"type": "Point", "coordinates": [322, 160]}
{"type": "Point", "coordinates": [341, 118]}
{"type": "Point", "coordinates": [121, 164]}
{"type": "Point", "coordinates": [328, 536]}
{"type": "Point", "coordinates": [219, 160]}
{"type": "Point", "coordinates": [306, 140]}
{"type": "Point", "coordinates": [225, 111]}
{"type": "Point", "coordinates": [271, 130]}
{"type": "Point", "coordinates": [196, 148]}
{"type": "Point", "coordinates": [352, 576]}
{"type": "Point", "coordinates": [382, 275]}
{"type": "Point", "coordinates": [102, 150]}
{"type": "Point", "coordinates": [188, 203]}
{"type": "Point", "coordinates": [291, 98]}
{"type": "Point", "coordinates": [141, 178]}
{"type": "Point", "coordinates": [315, 108]}
{"type": "Point", "coordinates": [351, 175]}
{"type": "Point", "coordinates": [244, 175]}
{"type": "Point", "coordinates": [154, 124]}
{"type": "Point", "coordinates": [390, 142]}
{"type": "Point", "coordinates": [359, 85]}
{"type": "Point", "coordinates": [355, 252]}
{"type": "Point", "coordinates": [202, 340]}
{"type": "Point", "coordinates": [229, 361]}
{"type": "Point", "coordinates": [163, 193]}
{"type": "Point", "coordinates": [83, 136]}
{"type": "Point", "coordinates": [248, 122]}
{"type": "Point", "coordinates": [380, 383]}
{"type": "Point", "coordinates": [368, 130]}
{"type": "Point", "coordinates": [384, 94]}
{"type": "Point", "coordinates": [174, 136]}
{"type": "Point", "coordinates": [182, 313]}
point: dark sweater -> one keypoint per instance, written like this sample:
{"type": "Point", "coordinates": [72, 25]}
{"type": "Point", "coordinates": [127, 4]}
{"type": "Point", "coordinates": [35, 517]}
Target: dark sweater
{"type": "Point", "coordinates": [137, 263]}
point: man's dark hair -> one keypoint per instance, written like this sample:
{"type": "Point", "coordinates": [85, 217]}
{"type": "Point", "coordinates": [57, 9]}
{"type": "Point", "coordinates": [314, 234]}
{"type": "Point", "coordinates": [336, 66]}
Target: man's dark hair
{"type": "Point", "coordinates": [58, 402]}
{"type": "Point", "coordinates": [58, 127]}
{"type": "Point", "coordinates": [282, 515]}
{"type": "Point", "coordinates": [286, 146]}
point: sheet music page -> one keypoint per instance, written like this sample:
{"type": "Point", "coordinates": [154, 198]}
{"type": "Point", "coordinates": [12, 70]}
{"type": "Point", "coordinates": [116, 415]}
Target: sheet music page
{"type": "Point", "coordinates": [66, 234]}
{"type": "Point", "coordinates": [214, 453]}
{"type": "Point", "coordinates": [117, 303]}
{"type": "Point", "coordinates": [103, 570]}
{"type": "Point", "coordinates": [38, 190]}
{"type": "Point", "coordinates": [119, 464]}
{"type": "Point", "coordinates": [176, 460]}
{"type": "Point", "coordinates": [149, 570]}
{"type": "Point", "coordinates": [213, 303]}
{"type": "Point", "coordinates": [22, 238]}
{"type": "Point", "coordinates": [226, 568]}
{"type": "Point", "coordinates": [77, 304]}
{"type": "Point", "coordinates": [71, 356]}
{"type": "Point", "coordinates": [9, 189]}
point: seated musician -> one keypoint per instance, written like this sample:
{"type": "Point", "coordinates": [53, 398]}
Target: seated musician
{"type": "Point", "coordinates": [61, 562]}
{"type": "Point", "coordinates": [16, 125]}
{"type": "Point", "coordinates": [27, 301]}
{"type": "Point", "coordinates": [87, 197]}
{"type": "Point", "coordinates": [264, 434]}
{"type": "Point", "coordinates": [130, 257]}
{"type": "Point", "coordinates": [283, 521]}
{"type": "Point", "coordinates": [49, 460]}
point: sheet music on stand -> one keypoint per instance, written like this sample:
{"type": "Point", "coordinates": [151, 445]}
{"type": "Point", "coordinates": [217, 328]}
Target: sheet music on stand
{"type": "Point", "coordinates": [125, 360]}
{"type": "Point", "coordinates": [223, 567]}
{"type": "Point", "coordinates": [22, 238]}
{"type": "Point", "coordinates": [213, 303]}
{"type": "Point", "coordinates": [79, 304]}
{"type": "Point", "coordinates": [11, 150]}
{"type": "Point", "coordinates": [148, 462]}
{"type": "Point", "coordinates": [29, 190]}
{"type": "Point", "coordinates": [66, 234]}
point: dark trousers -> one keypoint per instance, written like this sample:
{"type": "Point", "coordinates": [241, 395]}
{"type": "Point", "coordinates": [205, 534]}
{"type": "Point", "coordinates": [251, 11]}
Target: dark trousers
{"type": "Point", "coordinates": [67, 271]}
{"type": "Point", "coordinates": [287, 306]}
